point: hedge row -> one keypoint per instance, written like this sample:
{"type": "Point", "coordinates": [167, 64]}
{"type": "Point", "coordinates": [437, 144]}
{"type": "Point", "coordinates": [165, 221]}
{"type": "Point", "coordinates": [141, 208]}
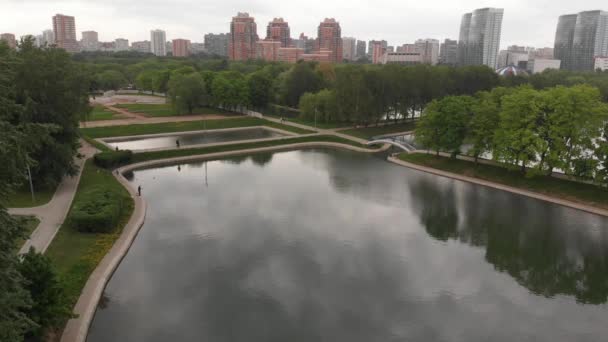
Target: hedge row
{"type": "Point", "coordinates": [111, 159]}
{"type": "Point", "coordinates": [97, 211]}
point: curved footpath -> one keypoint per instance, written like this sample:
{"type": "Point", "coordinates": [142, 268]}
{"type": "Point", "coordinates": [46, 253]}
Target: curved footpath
{"type": "Point", "coordinates": [76, 329]}
{"type": "Point", "coordinates": [52, 214]}
{"type": "Point", "coordinates": [566, 203]}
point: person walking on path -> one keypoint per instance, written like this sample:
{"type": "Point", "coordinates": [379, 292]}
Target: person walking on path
{"type": "Point", "coordinates": [139, 190]}
{"type": "Point", "coordinates": [177, 143]}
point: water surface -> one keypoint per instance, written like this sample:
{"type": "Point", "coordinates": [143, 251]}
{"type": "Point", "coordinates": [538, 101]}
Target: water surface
{"type": "Point", "coordinates": [203, 137]}
{"type": "Point", "coordinates": [323, 245]}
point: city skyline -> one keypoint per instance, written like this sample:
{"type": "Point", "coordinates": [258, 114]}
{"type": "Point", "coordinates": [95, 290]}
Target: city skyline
{"type": "Point", "coordinates": [396, 23]}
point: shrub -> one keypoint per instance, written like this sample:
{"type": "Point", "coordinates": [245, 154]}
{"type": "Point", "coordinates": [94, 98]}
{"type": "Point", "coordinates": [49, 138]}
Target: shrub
{"type": "Point", "coordinates": [112, 159]}
{"type": "Point", "coordinates": [97, 211]}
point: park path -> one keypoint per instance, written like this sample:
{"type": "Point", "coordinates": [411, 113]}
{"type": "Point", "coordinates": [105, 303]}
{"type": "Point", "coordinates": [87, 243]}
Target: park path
{"type": "Point", "coordinates": [140, 119]}
{"type": "Point", "coordinates": [52, 214]}
{"type": "Point", "coordinates": [322, 131]}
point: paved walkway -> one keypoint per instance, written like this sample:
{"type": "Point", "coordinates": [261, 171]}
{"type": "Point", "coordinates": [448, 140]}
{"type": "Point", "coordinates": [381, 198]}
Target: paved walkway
{"type": "Point", "coordinates": [318, 130]}
{"type": "Point", "coordinates": [52, 214]}
{"type": "Point", "coordinates": [140, 120]}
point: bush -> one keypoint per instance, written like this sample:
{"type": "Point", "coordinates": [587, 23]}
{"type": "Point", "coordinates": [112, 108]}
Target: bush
{"type": "Point", "coordinates": [97, 211]}
{"type": "Point", "coordinates": [50, 306]}
{"type": "Point", "coordinates": [112, 159]}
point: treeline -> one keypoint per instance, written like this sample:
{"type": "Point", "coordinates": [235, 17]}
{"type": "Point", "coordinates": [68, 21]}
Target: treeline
{"type": "Point", "coordinates": [355, 93]}
{"type": "Point", "coordinates": [535, 131]}
{"type": "Point", "coordinates": [43, 93]}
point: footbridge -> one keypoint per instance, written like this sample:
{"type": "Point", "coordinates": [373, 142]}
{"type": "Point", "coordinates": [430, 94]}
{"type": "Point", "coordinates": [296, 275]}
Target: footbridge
{"type": "Point", "coordinates": [407, 147]}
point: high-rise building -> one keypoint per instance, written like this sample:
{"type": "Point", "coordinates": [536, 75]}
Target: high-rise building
{"type": "Point", "coordinates": [307, 43]}
{"type": "Point", "coordinates": [579, 40]}
{"type": "Point", "coordinates": [267, 49]}
{"type": "Point", "coordinates": [243, 37]}
{"type": "Point", "coordinates": [448, 53]}
{"type": "Point", "coordinates": [429, 49]}
{"type": "Point", "coordinates": [404, 58]}
{"type": "Point", "coordinates": [48, 37]}
{"type": "Point", "coordinates": [601, 63]}
{"type": "Point", "coordinates": [370, 46]}
{"type": "Point", "coordinates": [89, 41]}
{"type": "Point", "coordinates": [361, 48]}
{"type": "Point", "coordinates": [330, 38]}
{"type": "Point", "coordinates": [121, 44]}
{"type": "Point", "coordinates": [409, 48]}
{"type": "Point", "coordinates": [278, 29]}
{"type": "Point", "coordinates": [64, 29]}
{"type": "Point", "coordinates": [9, 38]}
{"type": "Point", "coordinates": [181, 47]}
{"type": "Point", "coordinates": [480, 33]}
{"type": "Point", "coordinates": [169, 47]}
{"type": "Point", "coordinates": [197, 48]}
{"type": "Point", "coordinates": [142, 46]}
{"type": "Point", "coordinates": [537, 65]}
{"type": "Point", "coordinates": [158, 42]}
{"type": "Point", "coordinates": [349, 48]}
{"type": "Point", "coordinates": [378, 51]}
{"type": "Point", "coordinates": [217, 44]}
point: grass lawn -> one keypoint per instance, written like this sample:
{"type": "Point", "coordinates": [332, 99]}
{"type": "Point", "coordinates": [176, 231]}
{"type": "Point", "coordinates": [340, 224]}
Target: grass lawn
{"type": "Point", "coordinates": [145, 156]}
{"type": "Point", "coordinates": [165, 109]}
{"type": "Point", "coordinates": [170, 127]}
{"type": "Point", "coordinates": [102, 113]}
{"type": "Point", "coordinates": [23, 197]}
{"type": "Point", "coordinates": [573, 191]}
{"type": "Point", "coordinates": [74, 254]}
{"type": "Point", "coordinates": [372, 131]}
{"type": "Point", "coordinates": [29, 224]}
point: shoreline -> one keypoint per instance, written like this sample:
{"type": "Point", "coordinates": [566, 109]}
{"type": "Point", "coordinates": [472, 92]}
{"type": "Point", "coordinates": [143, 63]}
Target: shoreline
{"type": "Point", "coordinates": [76, 329]}
{"type": "Point", "coordinates": [546, 198]}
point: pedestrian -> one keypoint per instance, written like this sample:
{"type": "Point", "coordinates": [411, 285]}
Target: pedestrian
{"type": "Point", "coordinates": [116, 148]}
{"type": "Point", "coordinates": [177, 143]}
{"type": "Point", "coordinates": [139, 190]}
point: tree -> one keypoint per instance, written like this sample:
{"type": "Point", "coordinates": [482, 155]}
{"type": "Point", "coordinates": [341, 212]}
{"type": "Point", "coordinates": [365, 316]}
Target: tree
{"type": "Point", "coordinates": [353, 97]}
{"type": "Point", "coordinates": [145, 80]}
{"type": "Point", "coordinates": [484, 121]}
{"type": "Point", "coordinates": [160, 81]}
{"type": "Point", "coordinates": [52, 90]}
{"type": "Point", "coordinates": [111, 80]}
{"type": "Point", "coordinates": [516, 140]}
{"type": "Point", "coordinates": [260, 87]}
{"type": "Point", "coordinates": [186, 92]}
{"type": "Point", "coordinates": [14, 299]}
{"type": "Point", "coordinates": [301, 79]}
{"type": "Point", "coordinates": [444, 124]}
{"type": "Point", "coordinates": [50, 306]}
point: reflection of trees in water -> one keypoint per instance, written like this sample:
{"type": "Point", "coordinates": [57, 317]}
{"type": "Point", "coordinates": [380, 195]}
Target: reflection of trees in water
{"type": "Point", "coordinates": [261, 159]}
{"type": "Point", "coordinates": [529, 240]}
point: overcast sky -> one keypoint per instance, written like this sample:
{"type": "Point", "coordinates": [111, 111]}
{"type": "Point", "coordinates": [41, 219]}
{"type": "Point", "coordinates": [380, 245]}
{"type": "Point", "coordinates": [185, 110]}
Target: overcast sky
{"type": "Point", "coordinates": [526, 22]}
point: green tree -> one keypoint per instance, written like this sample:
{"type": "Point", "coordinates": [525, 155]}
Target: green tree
{"type": "Point", "coordinates": [186, 92]}
{"type": "Point", "coordinates": [50, 307]}
{"type": "Point", "coordinates": [484, 121]}
{"type": "Point", "coordinates": [111, 80]}
{"type": "Point", "coordinates": [145, 80]}
{"type": "Point", "coordinates": [301, 79]}
{"type": "Point", "coordinates": [444, 124]}
{"type": "Point", "coordinates": [52, 90]}
{"type": "Point", "coordinates": [260, 88]}
{"type": "Point", "coordinates": [516, 140]}
{"type": "Point", "coordinates": [160, 81]}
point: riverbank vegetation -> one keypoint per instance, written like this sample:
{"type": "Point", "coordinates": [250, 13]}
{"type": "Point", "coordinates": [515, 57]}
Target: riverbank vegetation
{"type": "Point", "coordinates": [43, 94]}
{"type": "Point", "coordinates": [160, 110]}
{"type": "Point", "coordinates": [586, 194]}
{"type": "Point", "coordinates": [76, 251]}
{"type": "Point", "coordinates": [535, 131]}
{"type": "Point", "coordinates": [99, 113]}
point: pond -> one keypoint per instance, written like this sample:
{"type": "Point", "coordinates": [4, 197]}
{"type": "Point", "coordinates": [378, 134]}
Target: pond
{"type": "Point", "coordinates": [327, 245]}
{"type": "Point", "coordinates": [191, 138]}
